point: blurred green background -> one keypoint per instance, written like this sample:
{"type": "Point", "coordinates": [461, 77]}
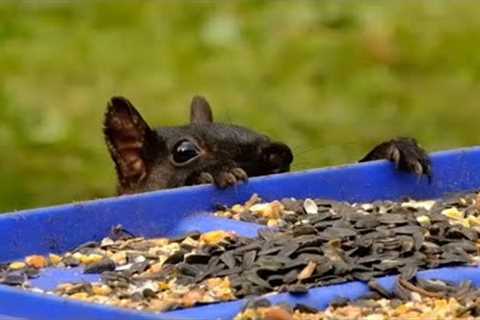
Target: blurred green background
{"type": "Point", "coordinates": [330, 78]}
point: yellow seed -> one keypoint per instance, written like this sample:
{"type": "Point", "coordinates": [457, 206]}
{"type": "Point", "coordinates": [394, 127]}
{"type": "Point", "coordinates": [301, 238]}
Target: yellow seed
{"type": "Point", "coordinates": [401, 309]}
{"type": "Point", "coordinates": [272, 210]}
{"type": "Point", "coordinates": [160, 305]}
{"type": "Point", "coordinates": [157, 267]}
{"type": "Point", "coordinates": [100, 299]}
{"type": "Point", "coordinates": [54, 259]}
{"type": "Point", "coordinates": [453, 213]}
{"type": "Point", "coordinates": [465, 223]}
{"type": "Point", "coordinates": [90, 259]}
{"type": "Point", "coordinates": [226, 214]}
{"type": "Point", "coordinates": [474, 221]}
{"type": "Point", "coordinates": [428, 204]}
{"type": "Point", "coordinates": [163, 285]}
{"type": "Point", "coordinates": [160, 241]}
{"type": "Point", "coordinates": [424, 220]}
{"type": "Point", "coordinates": [375, 316]}
{"type": "Point", "coordinates": [101, 290]}
{"type": "Point", "coordinates": [77, 255]}
{"type": "Point", "coordinates": [119, 257]}
{"type": "Point", "coordinates": [79, 296]}
{"type": "Point", "coordinates": [238, 208]}
{"type": "Point", "coordinates": [220, 289]}
{"type": "Point", "coordinates": [17, 265]}
{"type": "Point", "coordinates": [249, 314]}
{"type": "Point", "coordinates": [259, 207]}
{"type": "Point", "coordinates": [273, 222]}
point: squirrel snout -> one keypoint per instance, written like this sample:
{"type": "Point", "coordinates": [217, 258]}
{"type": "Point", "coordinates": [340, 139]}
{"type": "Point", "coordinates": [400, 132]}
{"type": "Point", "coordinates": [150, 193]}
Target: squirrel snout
{"type": "Point", "coordinates": [277, 157]}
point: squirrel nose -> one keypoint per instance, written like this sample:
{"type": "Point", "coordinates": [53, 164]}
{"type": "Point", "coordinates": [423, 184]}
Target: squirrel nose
{"type": "Point", "coordinates": [278, 157]}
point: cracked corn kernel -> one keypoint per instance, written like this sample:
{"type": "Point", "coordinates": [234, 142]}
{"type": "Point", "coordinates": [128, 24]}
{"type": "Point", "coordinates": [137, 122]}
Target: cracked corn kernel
{"type": "Point", "coordinates": [101, 290]}
{"type": "Point", "coordinates": [272, 210]}
{"type": "Point", "coordinates": [36, 262]}
{"type": "Point", "coordinates": [276, 313]}
{"type": "Point", "coordinates": [273, 222]}
{"type": "Point", "coordinates": [215, 237]}
{"type": "Point", "coordinates": [191, 298]}
{"type": "Point", "coordinates": [220, 288]}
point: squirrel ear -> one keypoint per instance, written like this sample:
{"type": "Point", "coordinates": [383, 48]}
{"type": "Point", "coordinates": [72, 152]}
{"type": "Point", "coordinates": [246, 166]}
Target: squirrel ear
{"type": "Point", "coordinates": [200, 111]}
{"type": "Point", "coordinates": [129, 140]}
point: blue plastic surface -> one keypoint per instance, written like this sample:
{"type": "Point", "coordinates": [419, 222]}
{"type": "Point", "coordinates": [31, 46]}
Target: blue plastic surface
{"type": "Point", "coordinates": [174, 212]}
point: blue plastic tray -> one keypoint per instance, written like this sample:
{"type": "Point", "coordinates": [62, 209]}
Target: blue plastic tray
{"type": "Point", "coordinates": [175, 212]}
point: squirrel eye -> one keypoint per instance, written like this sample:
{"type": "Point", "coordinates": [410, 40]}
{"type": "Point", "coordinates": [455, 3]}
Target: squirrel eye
{"type": "Point", "coordinates": [185, 151]}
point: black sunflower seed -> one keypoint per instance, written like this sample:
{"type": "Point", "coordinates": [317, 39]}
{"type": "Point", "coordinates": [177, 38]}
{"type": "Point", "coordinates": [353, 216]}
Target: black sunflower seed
{"type": "Point", "coordinates": [103, 265]}
{"type": "Point", "coordinates": [14, 279]}
{"type": "Point", "coordinates": [197, 258]}
{"type": "Point", "coordinates": [297, 289]}
{"type": "Point", "coordinates": [229, 259]}
{"type": "Point", "coordinates": [176, 257]}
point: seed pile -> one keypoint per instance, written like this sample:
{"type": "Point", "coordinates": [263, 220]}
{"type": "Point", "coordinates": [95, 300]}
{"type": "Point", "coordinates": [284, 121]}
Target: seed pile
{"type": "Point", "coordinates": [461, 209]}
{"type": "Point", "coordinates": [420, 300]}
{"type": "Point", "coordinates": [318, 243]}
{"type": "Point", "coordinates": [137, 273]}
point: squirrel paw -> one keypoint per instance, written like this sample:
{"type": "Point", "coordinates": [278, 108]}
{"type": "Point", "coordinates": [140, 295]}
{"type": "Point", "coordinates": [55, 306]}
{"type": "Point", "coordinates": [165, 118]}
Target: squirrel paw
{"type": "Point", "coordinates": [405, 153]}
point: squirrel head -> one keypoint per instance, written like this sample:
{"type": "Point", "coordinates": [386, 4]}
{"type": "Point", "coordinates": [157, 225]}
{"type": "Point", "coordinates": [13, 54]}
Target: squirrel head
{"type": "Point", "coordinates": [168, 157]}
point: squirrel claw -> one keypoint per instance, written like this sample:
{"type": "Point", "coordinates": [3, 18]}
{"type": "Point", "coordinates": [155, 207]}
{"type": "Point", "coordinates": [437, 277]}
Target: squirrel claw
{"type": "Point", "coordinates": [240, 174]}
{"type": "Point", "coordinates": [205, 178]}
{"type": "Point", "coordinates": [230, 177]}
{"type": "Point", "coordinates": [225, 179]}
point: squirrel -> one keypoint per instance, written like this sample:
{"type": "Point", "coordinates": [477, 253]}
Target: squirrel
{"type": "Point", "coordinates": [200, 152]}
{"type": "Point", "coordinates": [205, 151]}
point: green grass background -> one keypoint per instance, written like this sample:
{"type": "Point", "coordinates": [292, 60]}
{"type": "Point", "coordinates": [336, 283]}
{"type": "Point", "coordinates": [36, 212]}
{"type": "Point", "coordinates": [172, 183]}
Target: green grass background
{"type": "Point", "coordinates": [330, 78]}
